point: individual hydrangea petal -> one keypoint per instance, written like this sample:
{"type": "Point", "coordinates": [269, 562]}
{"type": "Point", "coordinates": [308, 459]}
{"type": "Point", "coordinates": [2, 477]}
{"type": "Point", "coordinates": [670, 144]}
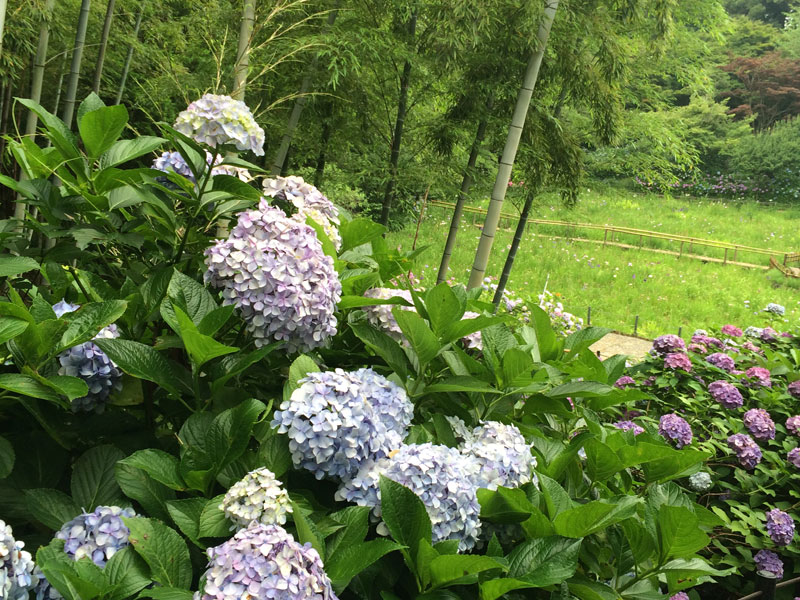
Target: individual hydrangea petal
{"type": "Point", "coordinates": [746, 450]}
{"type": "Point", "coordinates": [264, 562]}
{"type": "Point", "coordinates": [16, 566]}
{"type": "Point", "coordinates": [338, 421]}
{"type": "Point", "coordinates": [780, 527]}
{"type": "Point", "coordinates": [503, 456]}
{"type": "Point", "coordinates": [726, 394]}
{"type": "Point", "coordinates": [668, 344]}
{"type": "Point", "coordinates": [89, 363]}
{"type": "Point", "coordinates": [220, 121]}
{"type": "Point", "coordinates": [629, 426]}
{"type": "Point", "coordinates": [759, 424]}
{"type": "Point", "coordinates": [624, 381]}
{"type": "Point", "coordinates": [768, 564]}
{"type": "Point", "coordinates": [442, 477]}
{"type": "Point", "coordinates": [700, 482]}
{"type": "Point", "coordinates": [259, 497]}
{"type": "Point", "coordinates": [678, 360]}
{"type": "Point", "coordinates": [675, 428]}
{"type": "Point", "coordinates": [274, 271]}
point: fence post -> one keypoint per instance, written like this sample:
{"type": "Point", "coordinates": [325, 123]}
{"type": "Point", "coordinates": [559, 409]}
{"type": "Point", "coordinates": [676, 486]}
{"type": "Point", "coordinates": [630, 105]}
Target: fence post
{"type": "Point", "coordinates": [735, 250]}
{"type": "Point", "coordinates": [725, 261]}
{"type": "Point", "coordinates": [636, 325]}
{"type": "Point", "coordinates": [605, 237]}
{"type": "Point", "coordinates": [680, 329]}
{"type": "Point", "coordinates": [588, 316]}
{"type": "Point", "coordinates": [681, 252]}
{"type": "Point", "coordinates": [640, 241]}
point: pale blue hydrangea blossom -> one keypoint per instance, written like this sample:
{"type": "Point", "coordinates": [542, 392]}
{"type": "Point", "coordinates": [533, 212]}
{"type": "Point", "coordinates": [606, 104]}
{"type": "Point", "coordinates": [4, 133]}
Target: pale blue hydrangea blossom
{"type": "Point", "coordinates": [380, 315]}
{"type": "Point", "coordinates": [308, 202]}
{"type": "Point", "coordinates": [259, 497]}
{"type": "Point", "coordinates": [700, 482]}
{"type": "Point", "coordinates": [16, 566]}
{"type": "Point", "coordinates": [221, 121]}
{"type": "Point", "coordinates": [503, 456]}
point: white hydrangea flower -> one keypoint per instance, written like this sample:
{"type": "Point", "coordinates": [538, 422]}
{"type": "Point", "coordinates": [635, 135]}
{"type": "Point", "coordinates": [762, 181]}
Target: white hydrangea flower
{"type": "Point", "coordinates": [257, 497]}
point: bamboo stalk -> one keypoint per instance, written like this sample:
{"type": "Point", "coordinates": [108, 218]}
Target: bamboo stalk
{"type": "Point", "coordinates": [241, 69]}
{"type": "Point", "coordinates": [101, 53]}
{"type": "Point", "coordinates": [75, 67]}
{"type": "Point", "coordinates": [126, 68]}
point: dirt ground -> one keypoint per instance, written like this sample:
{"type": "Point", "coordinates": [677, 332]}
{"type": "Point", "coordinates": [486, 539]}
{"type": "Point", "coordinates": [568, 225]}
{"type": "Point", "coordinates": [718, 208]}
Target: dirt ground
{"type": "Point", "coordinates": [615, 343]}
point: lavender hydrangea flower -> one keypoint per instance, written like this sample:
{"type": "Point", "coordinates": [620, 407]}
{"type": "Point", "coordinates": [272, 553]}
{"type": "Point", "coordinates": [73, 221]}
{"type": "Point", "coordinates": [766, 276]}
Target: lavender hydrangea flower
{"type": "Point", "coordinates": [726, 394]}
{"type": "Point", "coordinates": [503, 456]}
{"type": "Point", "coordinates": [308, 201]}
{"type": "Point", "coordinates": [380, 316]}
{"type": "Point", "coordinates": [442, 477]}
{"type": "Point", "coordinates": [794, 389]}
{"type": "Point", "coordinates": [338, 421]}
{"type": "Point", "coordinates": [678, 360]}
{"type": "Point", "coordinates": [793, 425]}
{"type": "Point", "coordinates": [780, 527]}
{"type": "Point", "coordinates": [624, 381]}
{"type": "Point", "coordinates": [675, 428]}
{"type": "Point", "coordinates": [759, 424]}
{"type": "Point", "coordinates": [732, 331]}
{"type": "Point", "coordinates": [98, 534]}
{"type": "Point", "coordinates": [708, 341]}
{"type": "Point", "coordinates": [769, 335]}
{"type": "Point", "coordinates": [758, 376]}
{"type": "Point", "coordinates": [175, 163]}
{"type": "Point", "coordinates": [274, 271]}
{"type": "Point", "coordinates": [721, 361]}
{"type": "Point", "coordinates": [746, 450]}
{"type": "Point", "coordinates": [700, 482]}
{"type": "Point", "coordinates": [89, 363]}
{"type": "Point", "coordinates": [775, 309]}
{"type": "Point", "coordinates": [768, 564]}
{"type": "Point", "coordinates": [794, 457]}
{"type": "Point", "coordinates": [629, 426]}
{"type": "Point", "coordinates": [263, 562]}
{"type": "Point", "coordinates": [219, 121]}
{"type": "Point", "coordinates": [257, 497]}
{"type": "Point", "coordinates": [697, 348]}
{"type": "Point", "coordinates": [667, 344]}
{"type": "Point", "coordinates": [679, 596]}
{"type": "Point", "coordinates": [16, 566]}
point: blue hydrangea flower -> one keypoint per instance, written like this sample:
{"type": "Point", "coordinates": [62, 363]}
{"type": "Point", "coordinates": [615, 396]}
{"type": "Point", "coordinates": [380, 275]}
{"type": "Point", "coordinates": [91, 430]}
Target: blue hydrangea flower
{"type": "Point", "coordinates": [675, 428]}
{"type": "Point", "coordinates": [16, 566]}
{"type": "Point", "coordinates": [338, 421]}
{"type": "Point", "coordinates": [220, 121]}
{"type": "Point", "coordinates": [754, 332]}
{"type": "Point", "coordinates": [87, 362]}
{"type": "Point", "coordinates": [768, 564]}
{"type": "Point", "coordinates": [264, 562]}
{"type": "Point", "coordinates": [503, 456]}
{"type": "Point", "coordinates": [308, 201]}
{"type": "Point", "coordinates": [780, 527]}
{"type": "Point", "coordinates": [700, 482]}
{"type": "Point", "coordinates": [259, 497]}
{"type": "Point", "coordinates": [173, 162]}
{"type": "Point", "coordinates": [274, 271]}
{"type": "Point", "coordinates": [775, 309]}
{"type": "Point", "coordinates": [442, 477]}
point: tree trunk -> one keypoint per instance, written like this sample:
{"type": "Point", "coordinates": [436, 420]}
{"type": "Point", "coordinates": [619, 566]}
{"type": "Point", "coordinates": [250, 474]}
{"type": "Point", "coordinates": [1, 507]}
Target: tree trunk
{"type": "Point", "coordinates": [240, 70]}
{"type": "Point", "coordinates": [512, 253]}
{"type": "Point", "coordinates": [36, 86]}
{"type": "Point", "coordinates": [466, 183]}
{"type": "Point", "coordinates": [285, 166]}
{"type": "Point", "coordinates": [101, 53]}
{"type": "Point", "coordinates": [75, 68]}
{"type": "Point", "coordinates": [8, 100]}
{"type": "Point", "coordinates": [299, 103]}
{"type": "Point", "coordinates": [320, 170]}
{"type": "Point", "coordinates": [126, 68]}
{"type": "Point", "coordinates": [510, 150]}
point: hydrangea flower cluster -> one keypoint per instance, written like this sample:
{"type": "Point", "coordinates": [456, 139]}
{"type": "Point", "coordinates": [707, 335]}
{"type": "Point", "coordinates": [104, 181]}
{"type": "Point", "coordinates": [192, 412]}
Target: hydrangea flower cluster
{"type": "Point", "coordinates": [624, 381]}
{"type": "Point", "coordinates": [679, 596]}
{"type": "Point", "coordinates": [380, 316]}
{"type": "Point", "coordinates": [564, 323]}
{"type": "Point", "coordinates": [174, 162]}
{"type": "Point", "coordinates": [510, 301]}
{"type": "Point", "coordinates": [338, 421]}
{"type": "Point", "coordinates": [726, 394]}
{"type": "Point", "coordinates": [794, 389]}
{"type": "Point", "coordinates": [667, 344]}
{"type": "Point", "coordinates": [746, 450]}
{"type": "Point", "coordinates": [769, 335]}
{"type": "Point", "coordinates": [308, 201]}
{"type": "Point", "coordinates": [220, 121]}
{"type": "Point", "coordinates": [258, 496]}
{"type": "Point", "coordinates": [751, 347]}
{"type": "Point", "coordinates": [759, 424]}
{"type": "Point", "coordinates": [794, 457]}
{"type": "Point", "coordinates": [502, 455]}
{"type": "Point", "coordinates": [16, 566]}
{"type": "Point", "coordinates": [442, 477]}
{"type": "Point", "coordinates": [678, 360]}
{"type": "Point", "coordinates": [758, 376]}
{"type": "Point", "coordinates": [473, 340]}
{"type": "Point", "coordinates": [768, 564]}
{"type": "Point", "coordinates": [700, 482]}
{"type": "Point", "coordinates": [775, 309]}
{"type": "Point", "coordinates": [264, 561]}
{"type": "Point", "coordinates": [707, 341]}
{"type": "Point", "coordinates": [274, 271]}
{"type": "Point", "coordinates": [793, 425]}
{"type": "Point", "coordinates": [629, 426]}
{"type": "Point", "coordinates": [754, 332]}
{"type": "Point", "coordinates": [98, 534]}
{"type": "Point", "coordinates": [732, 331]}
{"type": "Point", "coordinates": [87, 362]}
{"type": "Point", "coordinates": [721, 361]}
{"type": "Point", "coordinates": [780, 527]}
{"type": "Point", "coordinates": [675, 428]}
{"type": "Point", "coordinates": [698, 348]}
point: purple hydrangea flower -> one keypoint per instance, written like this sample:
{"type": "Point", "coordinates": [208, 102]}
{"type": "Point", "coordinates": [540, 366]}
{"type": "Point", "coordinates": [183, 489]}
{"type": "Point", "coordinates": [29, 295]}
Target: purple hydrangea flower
{"type": "Point", "coordinates": [769, 335]}
{"type": "Point", "coordinates": [793, 425]}
{"type": "Point", "coordinates": [219, 121]}
{"type": "Point", "coordinates": [629, 426]}
{"type": "Point", "coordinates": [338, 421]}
{"type": "Point", "coordinates": [721, 361]}
{"type": "Point", "coordinates": [679, 596]}
{"type": "Point", "coordinates": [678, 360]}
{"type": "Point", "coordinates": [257, 497]}
{"type": "Point", "coordinates": [443, 478]}
{"type": "Point", "coordinates": [263, 562]}
{"type": "Point", "coordinates": [274, 271]}
{"type": "Point", "coordinates": [759, 424]}
{"type": "Point", "coordinates": [87, 362]}
{"type": "Point", "coordinates": [624, 381]}
{"type": "Point", "coordinates": [758, 376]}
{"type": "Point", "coordinates": [768, 564]}
{"type": "Point", "coordinates": [650, 381]}
{"type": "Point", "coordinates": [746, 450]}
{"type": "Point", "coordinates": [667, 344]}
{"type": "Point", "coordinates": [751, 347]}
{"type": "Point", "coordinates": [780, 527]}
{"type": "Point", "coordinates": [697, 348]}
{"type": "Point", "coordinates": [726, 394]}
{"type": "Point", "coordinates": [794, 457]}
{"type": "Point", "coordinates": [503, 456]}
{"type": "Point", "coordinates": [16, 566]}
{"type": "Point", "coordinates": [675, 428]}
{"type": "Point", "coordinates": [794, 389]}
{"type": "Point", "coordinates": [732, 331]}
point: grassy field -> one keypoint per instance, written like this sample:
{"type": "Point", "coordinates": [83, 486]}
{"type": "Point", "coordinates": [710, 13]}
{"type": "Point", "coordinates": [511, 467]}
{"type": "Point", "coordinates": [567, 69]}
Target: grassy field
{"type": "Point", "coordinates": [664, 291]}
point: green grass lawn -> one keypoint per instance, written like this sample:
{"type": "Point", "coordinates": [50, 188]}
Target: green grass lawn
{"type": "Point", "coordinates": [664, 291]}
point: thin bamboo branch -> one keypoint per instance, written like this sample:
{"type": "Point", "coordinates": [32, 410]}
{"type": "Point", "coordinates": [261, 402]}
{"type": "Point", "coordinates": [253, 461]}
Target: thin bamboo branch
{"type": "Point", "coordinates": [126, 68]}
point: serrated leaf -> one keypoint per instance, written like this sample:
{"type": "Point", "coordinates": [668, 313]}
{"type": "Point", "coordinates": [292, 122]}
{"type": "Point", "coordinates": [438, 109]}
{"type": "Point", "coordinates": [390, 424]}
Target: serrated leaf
{"type": "Point", "coordinates": [349, 561]}
{"type": "Point", "coordinates": [452, 567]}
{"type": "Point", "coordinates": [213, 522]}
{"type": "Point", "coordinates": [101, 127]}
{"type": "Point", "coordinates": [16, 265]}
{"type": "Point", "coordinates": [163, 550]}
{"type": "Point", "coordinates": [139, 360]}
{"type": "Point", "coordinates": [26, 385]}
{"type": "Point", "coordinates": [419, 335]}
{"type": "Point", "coordinates": [126, 150]}
{"type": "Point", "coordinates": [405, 516]}
{"type": "Point", "coordinates": [50, 507]}
{"type": "Point", "coordinates": [161, 466]}
{"type": "Point", "coordinates": [139, 486]}
{"type": "Point", "coordinates": [93, 482]}
{"type": "Point", "coordinates": [230, 431]}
